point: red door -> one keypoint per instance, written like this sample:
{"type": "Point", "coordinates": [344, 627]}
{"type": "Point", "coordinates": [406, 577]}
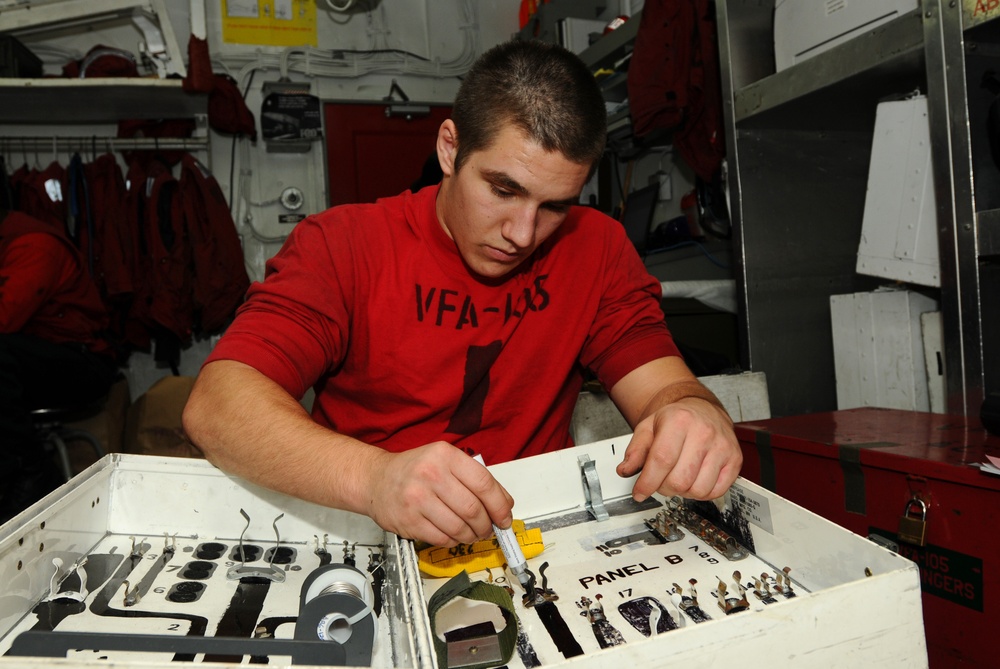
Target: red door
{"type": "Point", "coordinates": [370, 155]}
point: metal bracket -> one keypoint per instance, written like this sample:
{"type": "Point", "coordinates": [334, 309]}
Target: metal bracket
{"type": "Point", "coordinates": [406, 109]}
{"type": "Point", "coordinates": [592, 488]}
{"type": "Point", "coordinates": [40, 643]}
{"type": "Point", "coordinates": [58, 576]}
{"type": "Point", "coordinates": [270, 572]}
{"type": "Point", "coordinates": [476, 650]}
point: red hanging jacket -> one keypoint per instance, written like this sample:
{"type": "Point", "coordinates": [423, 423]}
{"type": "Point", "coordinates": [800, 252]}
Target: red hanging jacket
{"type": "Point", "coordinates": [97, 198]}
{"type": "Point", "coordinates": [41, 194]}
{"type": "Point", "coordinates": [137, 257]}
{"type": "Point", "coordinates": [221, 278]}
{"type": "Point", "coordinates": [160, 256]}
{"type": "Point", "coordinates": [107, 239]}
{"type": "Point", "coordinates": [674, 81]}
{"type": "Point", "coordinates": [170, 301]}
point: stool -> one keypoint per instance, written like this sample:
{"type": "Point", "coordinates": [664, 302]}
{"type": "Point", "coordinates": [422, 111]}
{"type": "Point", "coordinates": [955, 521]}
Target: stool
{"type": "Point", "coordinates": [53, 433]}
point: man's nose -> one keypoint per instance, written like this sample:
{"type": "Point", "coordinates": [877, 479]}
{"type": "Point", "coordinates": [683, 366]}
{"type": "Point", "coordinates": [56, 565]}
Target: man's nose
{"type": "Point", "coordinates": [519, 229]}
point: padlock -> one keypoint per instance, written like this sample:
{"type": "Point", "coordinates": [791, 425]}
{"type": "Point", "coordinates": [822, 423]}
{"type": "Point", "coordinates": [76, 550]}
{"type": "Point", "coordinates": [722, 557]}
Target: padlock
{"type": "Point", "coordinates": [913, 530]}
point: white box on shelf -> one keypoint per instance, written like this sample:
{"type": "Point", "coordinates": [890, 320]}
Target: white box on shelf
{"type": "Point", "coordinates": [804, 28]}
{"type": "Point", "coordinates": [899, 238]}
{"type": "Point", "coordinates": [878, 350]}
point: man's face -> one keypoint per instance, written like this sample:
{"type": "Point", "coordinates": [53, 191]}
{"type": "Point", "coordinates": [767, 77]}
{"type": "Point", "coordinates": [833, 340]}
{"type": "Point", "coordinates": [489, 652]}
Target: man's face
{"type": "Point", "coordinates": [506, 200]}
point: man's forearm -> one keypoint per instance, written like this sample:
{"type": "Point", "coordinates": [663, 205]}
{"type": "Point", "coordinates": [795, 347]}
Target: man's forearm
{"type": "Point", "coordinates": [683, 441]}
{"type": "Point", "coordinates": [249, 426]}
{"type": "Point", "coordinates": [692, 389]}
{"type": "Point", "coordinates": [656, 385]}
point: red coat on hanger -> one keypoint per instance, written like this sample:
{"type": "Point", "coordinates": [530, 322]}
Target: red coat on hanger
{"type": "Point", "coordinates": [221, 279]}
{"type": "Point", "coordinates": [674, 81]}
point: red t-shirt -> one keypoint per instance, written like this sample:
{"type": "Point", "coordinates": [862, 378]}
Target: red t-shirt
{"type": "Point", "coordinates": [373, 306]}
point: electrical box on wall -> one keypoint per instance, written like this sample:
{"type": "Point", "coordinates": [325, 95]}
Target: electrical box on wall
{"type": "Point", "coordinates": [290, 118]}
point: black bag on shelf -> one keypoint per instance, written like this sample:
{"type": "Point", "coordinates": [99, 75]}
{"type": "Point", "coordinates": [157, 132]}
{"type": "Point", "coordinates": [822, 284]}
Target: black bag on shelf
{"type": "Point", "coordinates": [16, 60]}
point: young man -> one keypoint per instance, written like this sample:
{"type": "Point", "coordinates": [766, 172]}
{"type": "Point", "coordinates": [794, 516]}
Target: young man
{"type": "Point", "coordinates": [459, 320]}
{"type": "Point", "coordinates": [51, 350]}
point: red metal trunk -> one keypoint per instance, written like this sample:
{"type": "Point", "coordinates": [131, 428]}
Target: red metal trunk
{"type": "Point", "coordinates": [861, 468]}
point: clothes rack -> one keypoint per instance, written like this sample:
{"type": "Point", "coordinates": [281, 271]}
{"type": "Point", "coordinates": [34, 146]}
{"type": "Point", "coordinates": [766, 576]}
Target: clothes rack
{"type": "Point", "coordinates": [66, 144]}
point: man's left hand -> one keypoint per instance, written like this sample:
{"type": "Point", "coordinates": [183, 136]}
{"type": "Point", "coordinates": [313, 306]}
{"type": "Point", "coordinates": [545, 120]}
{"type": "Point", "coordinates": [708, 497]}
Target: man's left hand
{"type": "Point", "coordinates": [685, 448]}
{"type": "Point", "coordinates": [683, 441]}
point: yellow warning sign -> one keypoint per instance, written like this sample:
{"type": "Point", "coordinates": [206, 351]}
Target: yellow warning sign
{"type": "Point", "coordinates": [269, 22]}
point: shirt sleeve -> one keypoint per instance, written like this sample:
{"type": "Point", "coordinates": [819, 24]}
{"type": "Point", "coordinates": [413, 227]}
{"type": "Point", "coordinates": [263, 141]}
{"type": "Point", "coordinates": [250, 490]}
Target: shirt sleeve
{"type": "Point", "coordinates": [294, 326]}
{"type": "Point", "coordinates": [629, 329]}
{"type": "Point", "coordinates": [30, 270]}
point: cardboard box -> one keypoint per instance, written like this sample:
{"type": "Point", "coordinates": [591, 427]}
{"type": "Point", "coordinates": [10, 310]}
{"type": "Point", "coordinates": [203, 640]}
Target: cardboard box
{"type": "Point", "coordinates": [108, 427]}
{"type": "Point", "coordinates": [154, 420]}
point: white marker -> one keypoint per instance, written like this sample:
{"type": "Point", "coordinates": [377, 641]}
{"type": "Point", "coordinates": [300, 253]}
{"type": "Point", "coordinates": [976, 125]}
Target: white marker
{"type": "Point", "coordinates": [511, 549]}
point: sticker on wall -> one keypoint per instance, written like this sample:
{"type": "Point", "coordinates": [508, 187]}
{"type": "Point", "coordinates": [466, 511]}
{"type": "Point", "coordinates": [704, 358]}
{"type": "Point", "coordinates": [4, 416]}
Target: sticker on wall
{"type": "Point", "coordinates": [975, 12]}
{"type": "Point", "coordinates": [269, 22]}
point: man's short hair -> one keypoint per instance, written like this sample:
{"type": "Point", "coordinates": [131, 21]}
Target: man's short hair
{"type": "Point", "coordinates": [541, 88]}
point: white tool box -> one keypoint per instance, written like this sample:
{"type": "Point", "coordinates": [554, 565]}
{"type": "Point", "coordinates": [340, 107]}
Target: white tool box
{"type": "Point", "coordinates": [169, 561]}
{"type": "Point", "coordinates": [140, 549]}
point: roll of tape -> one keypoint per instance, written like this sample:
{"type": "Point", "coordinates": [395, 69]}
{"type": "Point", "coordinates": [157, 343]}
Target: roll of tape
{"type": "Point", "coordinates": [335, 605]}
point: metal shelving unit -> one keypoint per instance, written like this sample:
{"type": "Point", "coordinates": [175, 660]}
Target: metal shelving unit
{"type": "Point", "coordinates": [799, 147]}
{"type": "Point", "coordinates": [612, 47]}
{"type": "Point", "coordinates": [857, 70]}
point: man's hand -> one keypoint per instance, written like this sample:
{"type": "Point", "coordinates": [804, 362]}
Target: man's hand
{"type": "Point", "coordinates": [683, 441]}
{"type": "Point", "coordinates": [436, 493]}
{"type": "Point", "coordinates": [685, 448]}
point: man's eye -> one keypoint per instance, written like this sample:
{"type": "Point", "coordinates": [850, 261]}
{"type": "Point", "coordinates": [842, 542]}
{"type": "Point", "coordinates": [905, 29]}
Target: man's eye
{"type": "Point", "coordinates": [557, 208]}
{"type": "Point", "coordinates": [503, 194]}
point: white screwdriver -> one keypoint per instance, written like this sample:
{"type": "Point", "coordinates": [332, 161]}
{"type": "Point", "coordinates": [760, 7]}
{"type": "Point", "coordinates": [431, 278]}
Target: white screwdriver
{"type": "Point", "coordinates": [511, 549]}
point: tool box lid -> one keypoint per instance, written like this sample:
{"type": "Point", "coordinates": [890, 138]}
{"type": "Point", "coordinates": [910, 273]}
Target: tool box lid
{"type": "Point", "coordinates": [940, 446]}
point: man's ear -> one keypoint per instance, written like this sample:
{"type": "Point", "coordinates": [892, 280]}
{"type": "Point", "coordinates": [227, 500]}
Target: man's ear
{"type": "Point", "coordinates": [447, 146]}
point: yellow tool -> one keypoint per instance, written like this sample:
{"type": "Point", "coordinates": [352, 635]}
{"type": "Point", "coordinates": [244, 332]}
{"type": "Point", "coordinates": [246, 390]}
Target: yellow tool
{"type": "Point", "coordinates": [441, 562]}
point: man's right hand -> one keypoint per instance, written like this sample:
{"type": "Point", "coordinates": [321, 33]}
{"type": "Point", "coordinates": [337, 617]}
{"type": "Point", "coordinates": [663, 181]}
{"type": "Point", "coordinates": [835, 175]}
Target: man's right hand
{"type": "Point", "coordinates": [436, 493]}
{"type": "Point", "coordinates": [248, 425]}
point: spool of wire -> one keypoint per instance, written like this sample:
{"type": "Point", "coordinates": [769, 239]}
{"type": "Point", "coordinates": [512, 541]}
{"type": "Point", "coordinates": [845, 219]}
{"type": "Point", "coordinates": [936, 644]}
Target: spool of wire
{"type": "Point", "coordinates": [344, 587]}
{"type": "Point", "coordinates": [335, 605]}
